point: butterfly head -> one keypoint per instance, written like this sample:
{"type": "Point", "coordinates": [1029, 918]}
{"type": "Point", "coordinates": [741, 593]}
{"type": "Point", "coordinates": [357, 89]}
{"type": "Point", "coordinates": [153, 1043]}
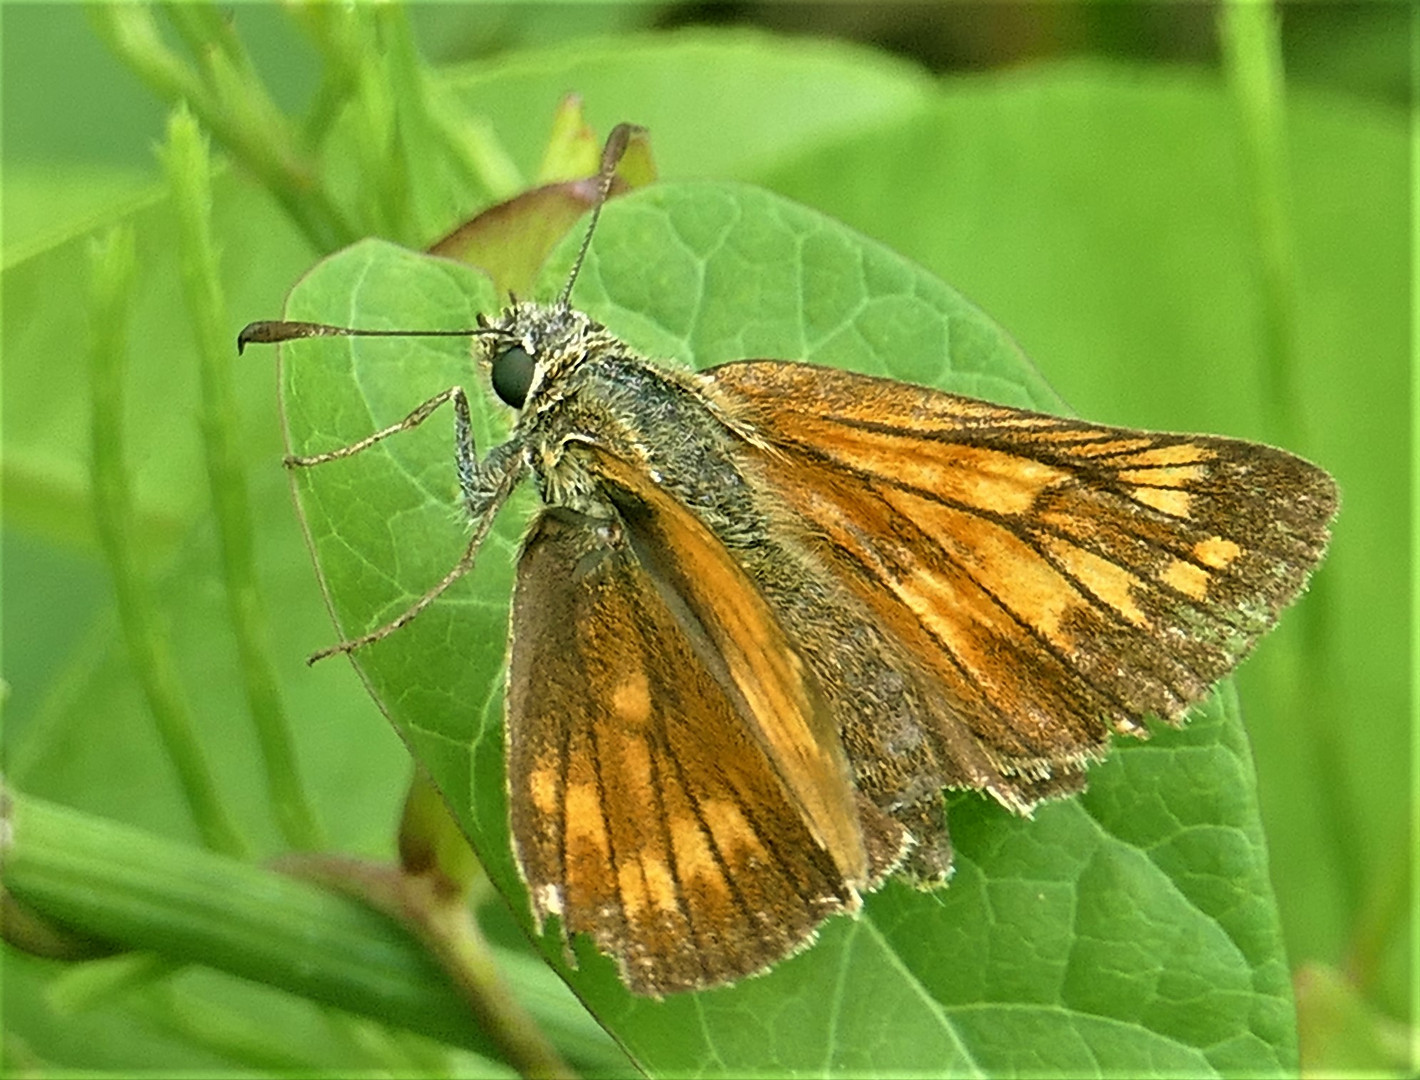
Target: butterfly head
{"type": "Point", "coordinates": [530, 346]}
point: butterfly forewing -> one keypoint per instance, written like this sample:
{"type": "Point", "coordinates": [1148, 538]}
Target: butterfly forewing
{"type": "Point", "coordinates": [644, 811]}
{"type": "Point", "coordinates": [1058, 580]}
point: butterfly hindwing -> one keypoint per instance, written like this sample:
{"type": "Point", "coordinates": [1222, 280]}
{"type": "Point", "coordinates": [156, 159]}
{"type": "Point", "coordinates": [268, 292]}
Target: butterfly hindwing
{"type": "Point", "coordinates": [736, 634]}
{"type": "Point", "coordinates": [643, 810]}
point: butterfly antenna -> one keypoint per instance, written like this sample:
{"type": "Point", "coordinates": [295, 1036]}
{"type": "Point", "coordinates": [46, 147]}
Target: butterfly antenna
{"type": "Point", "coordinates": [276, 331]}
{"type": "Point", "coordinates": [612, 153]}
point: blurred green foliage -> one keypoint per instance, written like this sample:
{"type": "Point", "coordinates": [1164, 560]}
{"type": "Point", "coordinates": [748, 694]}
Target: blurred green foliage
{"type": "Point", "coordinates": [1096, 207]}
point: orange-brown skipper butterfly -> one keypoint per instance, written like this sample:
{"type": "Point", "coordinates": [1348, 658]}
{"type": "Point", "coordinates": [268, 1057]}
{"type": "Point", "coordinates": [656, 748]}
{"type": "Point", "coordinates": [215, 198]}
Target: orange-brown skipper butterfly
{"type": "Point", "coordinates": [770, 611]}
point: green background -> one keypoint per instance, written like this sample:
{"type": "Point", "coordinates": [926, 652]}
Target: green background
{"type": "Point", "coordinates": [1095, 206]}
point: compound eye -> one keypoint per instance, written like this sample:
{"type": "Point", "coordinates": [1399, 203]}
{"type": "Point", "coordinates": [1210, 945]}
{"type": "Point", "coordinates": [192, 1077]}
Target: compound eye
{"type": "Point", "coordinates": [513, 375]}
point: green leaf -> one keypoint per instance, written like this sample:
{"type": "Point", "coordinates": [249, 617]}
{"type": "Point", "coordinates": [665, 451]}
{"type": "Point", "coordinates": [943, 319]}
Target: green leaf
{"type": "Point", "coordinates": [1132, 930]}
{"type": "Point", "coordinates": [717, 103]}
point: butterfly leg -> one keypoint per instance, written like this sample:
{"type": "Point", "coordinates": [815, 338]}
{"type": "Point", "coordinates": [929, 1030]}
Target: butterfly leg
{"type": "Point", "coordinates": [413, 420]}
{"type": "Point", "coordinates": [484, 486]}
{"type": "Point", "coordinates": [481, 483]}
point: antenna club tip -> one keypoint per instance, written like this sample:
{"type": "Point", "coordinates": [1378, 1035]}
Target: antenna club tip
{"type": "Point", "coordinates": [262, 333]}
{"type": "Point", "coordinates": [617, 142]}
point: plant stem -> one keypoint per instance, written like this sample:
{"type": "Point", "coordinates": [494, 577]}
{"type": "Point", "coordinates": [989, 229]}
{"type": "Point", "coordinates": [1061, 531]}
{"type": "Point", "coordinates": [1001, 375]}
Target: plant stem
{"type": "Point", "coordinates": [435, 911]}
{"type": "Point", "coordinates": [188, 166]}
{"type": "Point", "coordinates": [1253, 56]}
{"type": "Point", "coordinates": [142, 891]}
{"type": "Point", "coordinates": [1252, 53]}
{"type": "Point", "coordinates": [233, 105]}
{"type": "Point", "coordinates": [112, 262]}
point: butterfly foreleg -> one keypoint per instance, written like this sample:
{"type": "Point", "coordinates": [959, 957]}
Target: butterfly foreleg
{"type": "Point", "coordinates": [483, 486]}
{"type": "Point", "coordinates": [480, 482]}
{"type": "Point", "coordinates": [413, 420]}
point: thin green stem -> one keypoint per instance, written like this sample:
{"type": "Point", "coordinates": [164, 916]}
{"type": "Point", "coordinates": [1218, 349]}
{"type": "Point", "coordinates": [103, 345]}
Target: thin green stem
{"type": "Point", "coordinates": [353, 80]}
{"type": "Point", "coordinates": [188, 166]}
{"type": "Point", "coordinates": [1384, 916]}
{"type": "Point", "coordinates": [1413, 926]}
{"type": "Point", "coordinates": [410, 124]}
{"type": "Point", "coordinates": [234, 106]}
{"type": "Point", "coordinates": [472, 145]}
{"type": "Point", "coordinates": [457, 941]}
{"type": "Point", "coordinates": [432, 128]}
{"type": "Point", "coordinates": [99, 983]}
{"type": "Point", "coordinates": [427, 904]}
{"type": "Point", "coordinates": [113, 261]}
{"type": "Point", "coordinates": [31, 932]}
{"type": "Point", "coordinates": [382, 98]}
{"type": "Point", "coordinates": [1252, 53]}
{"type": "Point", "coordinates": [337, 36]}
{"type": "Point", "coordinates": [203, 27]}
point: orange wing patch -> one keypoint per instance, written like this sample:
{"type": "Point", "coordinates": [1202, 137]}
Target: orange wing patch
{"type": "Point", "coordinates": [1216, 552]}
{"type": "Point", "coordinates": [1106, 581]}
{"type": "Point", "coordinates": [1186, 578]}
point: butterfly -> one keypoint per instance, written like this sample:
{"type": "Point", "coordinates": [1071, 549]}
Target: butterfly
{"type": "Point", "coordinates": [771, 611]}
